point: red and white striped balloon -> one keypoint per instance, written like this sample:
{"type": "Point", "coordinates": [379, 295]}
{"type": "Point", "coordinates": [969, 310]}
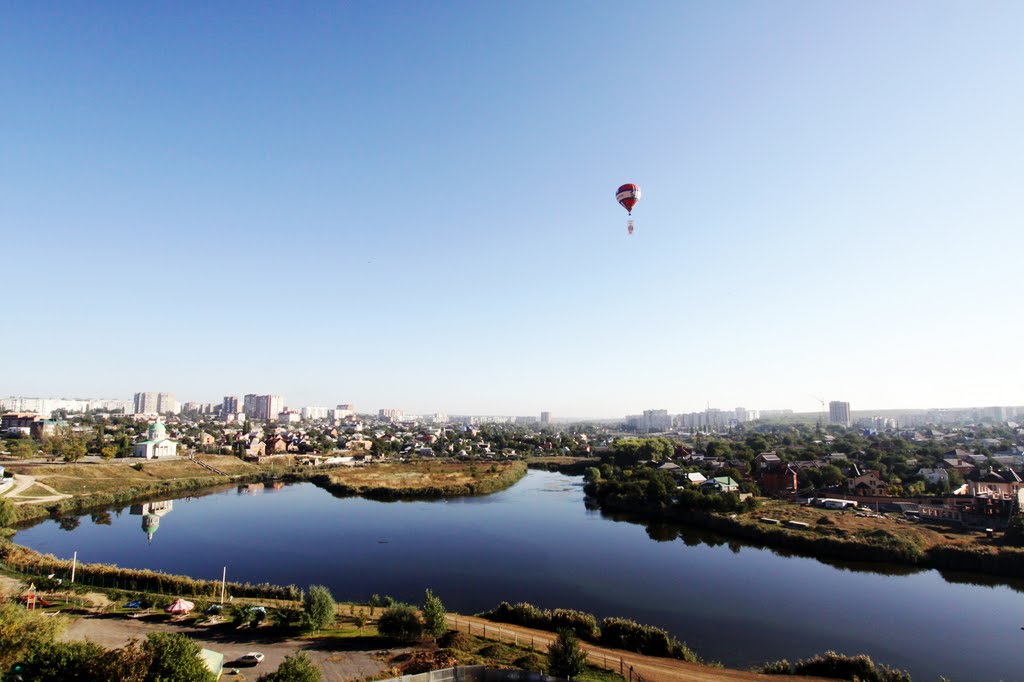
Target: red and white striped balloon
{"type": "Point", "coordinates": [627, 196]}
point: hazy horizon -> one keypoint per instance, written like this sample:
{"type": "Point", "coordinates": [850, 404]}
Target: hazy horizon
{"type": "Point", "coordinates": [412, 206]}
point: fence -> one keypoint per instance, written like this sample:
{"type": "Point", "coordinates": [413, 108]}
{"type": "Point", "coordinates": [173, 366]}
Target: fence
{"type": "Point", "coordinates": [475, 673]}
{"type": "Point", "coordinates": [131, 580]}
{"type": "Point", "coordinates": [533, 642]}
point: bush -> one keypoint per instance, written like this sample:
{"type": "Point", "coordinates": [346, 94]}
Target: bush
{"type": "Point", "coordinates": [566, 657]}
{"type": "Point", "coordinates": [454, 639]}
{"type": "Point", "coordinates": [781, 667]}
{"type": "Point", "coordinates": [297, 668]}
{"type": "Point", "coordinates": [841, 667]}
{"type": "Point", "coordinates": [531, 661]}
{"type": "Point", "coordinates": [583, 625]}
{"type": "Point", "coordinates": [400, 622]}
{"type": "Point", "coordinates": [621, 633]}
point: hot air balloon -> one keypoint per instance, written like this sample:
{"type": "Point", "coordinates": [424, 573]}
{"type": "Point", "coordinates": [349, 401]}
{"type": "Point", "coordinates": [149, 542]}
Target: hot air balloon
{"type": "Point", "coordinates": [628, 195]}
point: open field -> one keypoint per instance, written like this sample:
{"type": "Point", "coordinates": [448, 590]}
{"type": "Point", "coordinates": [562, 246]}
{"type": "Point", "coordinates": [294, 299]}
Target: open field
{"type": "Point", "coordinates": [88, 479]}
{"type": "Point", "coordinates": [428, 478]}
{"type": "Point", "coordinates": [855, 525]}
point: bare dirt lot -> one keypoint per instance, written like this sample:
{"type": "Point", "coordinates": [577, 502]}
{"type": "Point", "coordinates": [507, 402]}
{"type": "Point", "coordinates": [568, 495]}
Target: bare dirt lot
{"type": "Point", "coordinates": [335, 657]}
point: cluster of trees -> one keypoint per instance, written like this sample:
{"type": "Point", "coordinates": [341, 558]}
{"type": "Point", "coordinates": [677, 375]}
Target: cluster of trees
{"type": "Point", "coordinates": [402, 622]}
{"type": "Point", "coordinates": [653, 491]}
{"type": "Point", "coordinates": [30, 650]}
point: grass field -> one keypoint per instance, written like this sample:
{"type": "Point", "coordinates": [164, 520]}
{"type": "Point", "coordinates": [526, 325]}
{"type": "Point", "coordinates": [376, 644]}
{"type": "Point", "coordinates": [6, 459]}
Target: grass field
{"type": "Point", "coordinates": [420, 475]}
{"type": "Point", "coordinates": [87, 479]}
{"type": "Point", "coordinates": [849, 524]}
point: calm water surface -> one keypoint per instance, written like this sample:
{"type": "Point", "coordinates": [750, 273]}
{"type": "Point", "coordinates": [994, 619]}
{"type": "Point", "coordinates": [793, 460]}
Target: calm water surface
{"type": "Point", "coordinates": [537, 542]}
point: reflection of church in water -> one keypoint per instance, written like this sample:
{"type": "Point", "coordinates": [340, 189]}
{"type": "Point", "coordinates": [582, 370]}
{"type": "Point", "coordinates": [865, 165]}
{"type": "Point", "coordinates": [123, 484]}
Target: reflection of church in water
{"type": "Point", "coordinates": [151, 513]}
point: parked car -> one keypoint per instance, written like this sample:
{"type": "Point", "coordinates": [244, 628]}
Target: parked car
{"type": "Point", "coordinates": [253, 657]}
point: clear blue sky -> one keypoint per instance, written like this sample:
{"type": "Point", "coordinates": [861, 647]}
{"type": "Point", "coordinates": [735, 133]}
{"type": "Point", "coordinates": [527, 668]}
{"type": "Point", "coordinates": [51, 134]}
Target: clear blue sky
{"type": "Point", "coordinates": [411, 204]}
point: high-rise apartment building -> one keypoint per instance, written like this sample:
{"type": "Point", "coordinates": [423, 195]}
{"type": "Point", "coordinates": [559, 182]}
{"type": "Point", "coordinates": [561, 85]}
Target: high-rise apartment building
{"type": "Point", "coordinates": [390, 414]}
{"type": "Point", "coordinates": [230, 405]}
{"type": "Point", "coordinates": [262, 406]}
{"type": "Point", "coordinates": [839, 413]}
{"type": "Point", "coordinates": [313, 413]}
{"type": "Point", "coordinates": [146, 403]}
{"type": "Point", "coordinates": [166, 402]}
{"type": "Point", "coordinates": [545, 418]}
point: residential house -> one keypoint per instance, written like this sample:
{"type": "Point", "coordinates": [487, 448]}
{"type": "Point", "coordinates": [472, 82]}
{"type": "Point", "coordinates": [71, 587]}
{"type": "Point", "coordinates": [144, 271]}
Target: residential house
{"type": "Point", "coordinates": [766, 460]}
{"type": "Point", "coordinates": [694, 478]}
{"type": "Point", "coordinates": [256, 448]}
{"type": "Point", "coordinates": [778, 478]}
{"type": "Point", "coordinates": [1003, 484]}
{"type": "Point", "coordinates": [21, 421]}
{"type": "Point", "coordinates": [721, 484]}
{"type": "Point", "coordinates": [867, 483]}
{"type": "Point", "coordinates": [938, 475]}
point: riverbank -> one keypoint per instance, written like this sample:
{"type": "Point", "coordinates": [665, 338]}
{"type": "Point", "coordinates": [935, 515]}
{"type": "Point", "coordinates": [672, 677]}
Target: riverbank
{"type": "Point", "coordinates": [420, 480]}
{"type": "Point", "coordinates": [93, 486]}
{"type": "Point", "coordinates": [845, 536]}
{"type": "Point", "coordinates": [517, 646]}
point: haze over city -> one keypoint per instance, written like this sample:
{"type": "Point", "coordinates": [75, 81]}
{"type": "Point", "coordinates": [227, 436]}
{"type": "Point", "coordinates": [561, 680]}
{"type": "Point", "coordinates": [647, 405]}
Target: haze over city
{"type": "Point", "coordinates": [413, 205]}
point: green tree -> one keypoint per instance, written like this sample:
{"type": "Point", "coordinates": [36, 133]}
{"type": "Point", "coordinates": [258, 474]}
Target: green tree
{"type": "Point", "coordinates": [566, 657]}
{"type": "Point", "coordinates": [60, 661]}
{"type": "Point", "coordinates": [319, 605]}
{"type": "Point", "coordinates": [297, 668]}
{"type": "Point", "coordinates": [127, 664]}
{"type": "Point", "coordinates": [435, 621]}
{"type": "Point", "coordinates": [23, 448]}
{"type": "Point", "coordinates": [8, 513]}
{"type": "Point", "coordinates": [175, 659]}
{"type": "Point", "coordinates": [21, 629]}
{"type": "Point", "coordinates": [400, 622]}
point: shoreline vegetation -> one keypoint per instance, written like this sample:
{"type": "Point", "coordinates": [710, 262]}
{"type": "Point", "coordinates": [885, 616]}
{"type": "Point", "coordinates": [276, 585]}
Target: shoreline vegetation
{"type": "Point", "coordinates": [97, 486]}
{"type": "Point", "coordinates": [419, 480]}
{"type": "Point", "coordinates": [648, 495]}
{"type": "Point", "coordinates": [611, 632]}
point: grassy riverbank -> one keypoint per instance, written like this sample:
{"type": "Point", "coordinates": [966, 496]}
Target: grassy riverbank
{"type": "Point", "coordinates": [94, 486]}
{"type": "Point", "coordinates": [847, 536]}
{"type": "Point", "coordinates": [421, 479]}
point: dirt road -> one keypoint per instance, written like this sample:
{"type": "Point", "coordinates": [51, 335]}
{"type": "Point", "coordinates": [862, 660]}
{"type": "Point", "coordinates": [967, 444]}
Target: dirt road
{"type": "Point", "coordinates": [23, 482]}
{"type": "Point", "coordinates": [649, 668]}
{"type": "Point", "coordinates": [336, 658]}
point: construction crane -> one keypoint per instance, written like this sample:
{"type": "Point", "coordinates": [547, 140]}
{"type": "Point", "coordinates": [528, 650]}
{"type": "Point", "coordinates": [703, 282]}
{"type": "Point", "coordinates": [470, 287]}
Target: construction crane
{"type": "Point", "coordinates": [821, 415]}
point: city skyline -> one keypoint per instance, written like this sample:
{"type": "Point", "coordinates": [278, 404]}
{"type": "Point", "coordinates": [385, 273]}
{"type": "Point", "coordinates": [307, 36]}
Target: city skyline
{"type": "Point", "coordinates": [838, 412]}
{"type": "Point", "coordinates": [415, 206]}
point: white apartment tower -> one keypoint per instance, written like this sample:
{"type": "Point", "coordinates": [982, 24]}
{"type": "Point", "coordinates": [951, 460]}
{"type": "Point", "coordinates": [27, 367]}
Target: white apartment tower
{"type": "Point", "coordinates": [839, 413]}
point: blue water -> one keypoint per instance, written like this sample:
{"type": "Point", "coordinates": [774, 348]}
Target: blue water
{"type": "Point", "coordinates": [537, 542]}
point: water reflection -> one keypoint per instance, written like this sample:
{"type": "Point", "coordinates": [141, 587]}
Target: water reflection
{"type": "Point", "coordinates": [151, 513]}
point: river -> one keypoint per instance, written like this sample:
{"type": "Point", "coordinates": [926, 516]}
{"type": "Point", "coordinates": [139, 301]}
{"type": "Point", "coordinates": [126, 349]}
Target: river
{"type": "Point", "coordinates": [537, 542]}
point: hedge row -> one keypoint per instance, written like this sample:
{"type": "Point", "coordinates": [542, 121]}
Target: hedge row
{"type": "Point", "coordinates": [27, 561]}
{"type": "Point", "coordinates": [838, 667]}
{"type": "Point", "coordinates": [618, 633]}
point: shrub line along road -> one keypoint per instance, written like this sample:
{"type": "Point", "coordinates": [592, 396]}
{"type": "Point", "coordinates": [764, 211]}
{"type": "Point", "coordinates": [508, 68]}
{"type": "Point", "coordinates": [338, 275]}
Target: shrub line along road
{"type": "Point", "coordinates": [650, 668]}
{"type": "Point", "coordinates": [337, 662]}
